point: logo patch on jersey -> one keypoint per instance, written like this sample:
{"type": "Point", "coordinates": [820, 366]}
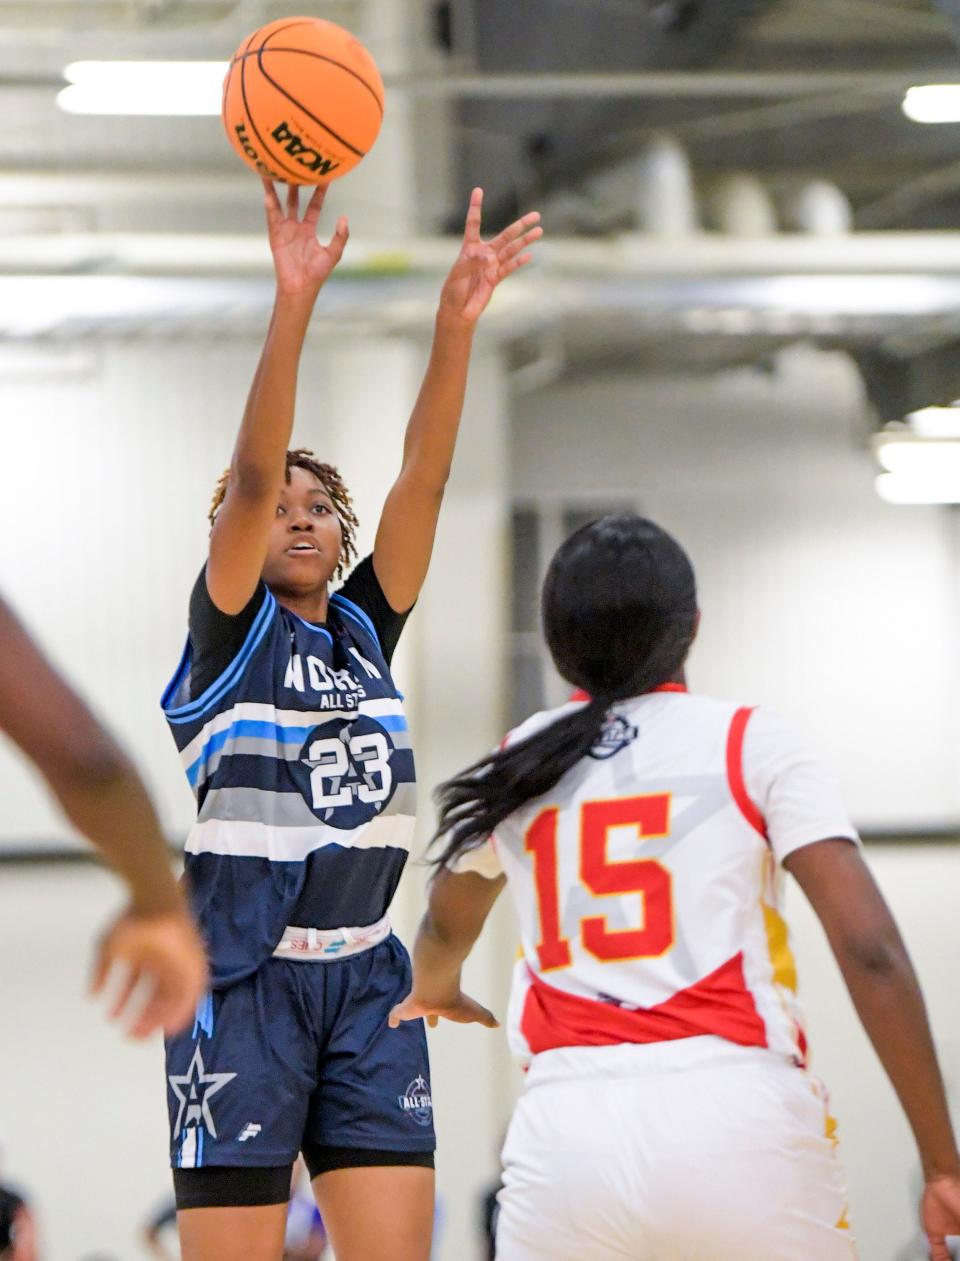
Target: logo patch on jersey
{"type": "Point", "coordinates": [344, 771]}
{"type": "Point", "coordinates": [194, 1090]}
{"type": "Point", "coordinates": [417, 1103]}
{"type": "Point", "coordinates": [615, 735]}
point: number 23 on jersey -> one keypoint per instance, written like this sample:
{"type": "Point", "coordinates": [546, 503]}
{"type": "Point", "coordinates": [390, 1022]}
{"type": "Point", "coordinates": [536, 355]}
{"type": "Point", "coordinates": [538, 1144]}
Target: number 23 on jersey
{"type": "Point", "coordinates": [648, 817]}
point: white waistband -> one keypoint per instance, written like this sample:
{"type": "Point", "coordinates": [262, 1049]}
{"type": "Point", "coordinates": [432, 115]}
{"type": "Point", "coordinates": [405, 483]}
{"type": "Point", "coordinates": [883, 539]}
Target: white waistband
{"type": "Point", "coordinates": [646, 1058]}
{"type": "Point", "coordinates": [318, 945]}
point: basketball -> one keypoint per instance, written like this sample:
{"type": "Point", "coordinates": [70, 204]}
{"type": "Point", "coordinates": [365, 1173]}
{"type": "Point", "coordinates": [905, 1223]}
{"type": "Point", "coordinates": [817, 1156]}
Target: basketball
{"type": "Point", "coordinates": [302, 101]}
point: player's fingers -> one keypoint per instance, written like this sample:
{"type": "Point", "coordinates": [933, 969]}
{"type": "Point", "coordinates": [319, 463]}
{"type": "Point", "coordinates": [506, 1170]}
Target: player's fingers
{"type": "Point", "coordinates": [101, 969]}
{"type": "Point", "coordinates": [144, 992]}
{"type": "Point", "coordinates": [293, 201]}
{"type": "Point", "coordinates": [518, 228]}
{"type": "Point", "coordinates": [471, 231]}
{"type": "Point", "coordinates": [520, 243]}
{"type": "Point", "coordinates": [338, 242]}
{"type": "Point", "coordinates": [160, 1010]}
{"type": "Point", "coordinates": [270, 199]}
{"type": "Point", "coordinates": [938, 1248]}
{"type": "Point", "coordinates": [507, 269]}
{"type": "Point", "coordinates": [178, 1016]}
{"type": "Point", "coordinates": [315, 205]}
{"type": "Point", "coordinates": [123, 982]}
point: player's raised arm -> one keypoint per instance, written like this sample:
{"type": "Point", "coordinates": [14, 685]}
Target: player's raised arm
{"type": "Point", "coordinates": [459, 904]}
{"type": "Point", "coordinates": [238, 543]}
{"type": "Point", "coordinates": [884, 988]}
{"type": "Point", "coordinates": [102, 794]}
{"type": "Point", "coordinates": [408, 524]}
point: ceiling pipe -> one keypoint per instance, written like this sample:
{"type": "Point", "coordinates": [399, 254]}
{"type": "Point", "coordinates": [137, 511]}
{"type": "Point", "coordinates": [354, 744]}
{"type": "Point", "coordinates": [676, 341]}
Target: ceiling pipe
{"type": "Point", "coordinates": [702, 255]}
{"type": "Point", "coordinates": [741, 206]}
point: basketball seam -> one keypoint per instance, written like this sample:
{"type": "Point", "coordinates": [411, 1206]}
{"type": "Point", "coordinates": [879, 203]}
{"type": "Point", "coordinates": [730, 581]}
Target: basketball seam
{"type": "Point", "coordinates": [293, 101]}
{"type": "Point", "coordinates": [253, 124]}
{"type": "Point", "coordinates": [304, 52]}
{"type": "Point", "coordinates": [289, 27]}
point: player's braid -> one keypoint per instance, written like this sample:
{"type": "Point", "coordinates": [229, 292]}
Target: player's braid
{"type": "Point", "coordinates": [331, 481]}
{"type": "Point", "coordinates": [619, 616]}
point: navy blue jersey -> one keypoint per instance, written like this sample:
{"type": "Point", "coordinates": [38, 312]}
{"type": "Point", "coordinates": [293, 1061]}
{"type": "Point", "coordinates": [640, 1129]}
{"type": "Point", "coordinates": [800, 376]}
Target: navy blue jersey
{"type": "Point", "coordinates": [299, 756]}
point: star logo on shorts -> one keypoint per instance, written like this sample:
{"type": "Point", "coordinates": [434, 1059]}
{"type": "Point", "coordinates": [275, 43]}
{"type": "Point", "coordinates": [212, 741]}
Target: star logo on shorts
{"type": "Point", "coordinates": [195, 1089]}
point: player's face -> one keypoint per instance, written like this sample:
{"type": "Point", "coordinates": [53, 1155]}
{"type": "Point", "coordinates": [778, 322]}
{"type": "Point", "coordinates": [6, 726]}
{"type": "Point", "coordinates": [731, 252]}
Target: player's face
{"type": "Point", "coordinates": [305, 539]}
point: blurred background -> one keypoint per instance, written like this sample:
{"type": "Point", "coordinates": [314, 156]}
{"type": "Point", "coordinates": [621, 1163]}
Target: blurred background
{"type": "Point", "coordinates": [745, 323]}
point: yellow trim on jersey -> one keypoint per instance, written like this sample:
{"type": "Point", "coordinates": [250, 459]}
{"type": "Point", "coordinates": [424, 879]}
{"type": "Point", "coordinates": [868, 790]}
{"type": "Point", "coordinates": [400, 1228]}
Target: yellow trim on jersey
{"type": "Point", "coordinates": [778, 943]}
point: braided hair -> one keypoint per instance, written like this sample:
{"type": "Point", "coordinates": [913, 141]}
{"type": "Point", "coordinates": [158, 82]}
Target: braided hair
{"type": "Point", "coordinates": [619, 610]}
{"type": "Point", "coordinates": [331, 481]}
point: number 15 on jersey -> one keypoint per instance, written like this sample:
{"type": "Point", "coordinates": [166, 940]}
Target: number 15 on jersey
{"type": "Point", "coordinates": [648, 817]}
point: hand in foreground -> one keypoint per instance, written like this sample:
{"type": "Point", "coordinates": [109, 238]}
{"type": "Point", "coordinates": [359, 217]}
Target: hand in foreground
{"type": "Point", "coordinates": [940, 1214]}
{"type": "Point", "coordinates": [481, 266]}
{"type": "Point", "coordinates": [163, 967]}
{"type": "Point", "coordinates": [302, 264]}
{"type": "Point", "coordinates": [462, 1011]}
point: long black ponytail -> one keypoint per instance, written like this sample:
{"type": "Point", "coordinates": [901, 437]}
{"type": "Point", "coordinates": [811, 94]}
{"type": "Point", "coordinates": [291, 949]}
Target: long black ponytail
{"type": "Point", "coordinates": [619, 611]}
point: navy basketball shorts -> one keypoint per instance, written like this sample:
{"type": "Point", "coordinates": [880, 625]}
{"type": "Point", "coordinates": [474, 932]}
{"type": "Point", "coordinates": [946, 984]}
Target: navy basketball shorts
{"type": "Point", "coordinates": [299, 1057]}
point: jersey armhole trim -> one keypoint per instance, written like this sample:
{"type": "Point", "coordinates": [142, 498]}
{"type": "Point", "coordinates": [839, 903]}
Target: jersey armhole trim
{"type": "Point", "coordinates": [738, 788]}
{"type": "Point", "coordinates": [358, 615]}
{"type": "Point", "coordinates": [224, 681]}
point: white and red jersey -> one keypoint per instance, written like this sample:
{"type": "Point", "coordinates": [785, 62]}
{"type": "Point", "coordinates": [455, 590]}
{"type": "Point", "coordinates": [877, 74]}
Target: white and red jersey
{"type": "Point", "coordinates": [648, 880]}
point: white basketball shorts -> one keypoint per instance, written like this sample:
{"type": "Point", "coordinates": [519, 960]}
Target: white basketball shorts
{"type": "Point", "coordinates": [702, 1152]}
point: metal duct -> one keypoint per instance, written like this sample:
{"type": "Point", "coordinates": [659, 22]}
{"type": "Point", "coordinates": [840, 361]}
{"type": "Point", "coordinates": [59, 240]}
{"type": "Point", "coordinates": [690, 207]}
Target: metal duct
{"type": "Point", "coordinates": [819, 208]}
{"type": "Point", "coordinates": [741, 206]}
{"type": "Point", "coordinates": [552, 142]}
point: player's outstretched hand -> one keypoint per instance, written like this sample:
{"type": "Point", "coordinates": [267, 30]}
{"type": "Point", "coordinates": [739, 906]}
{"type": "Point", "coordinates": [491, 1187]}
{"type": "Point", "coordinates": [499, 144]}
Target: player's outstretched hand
{"type": "Point", "coordinates": [462, 1011]}
{"type": "Point", "coordinates": [301, 262]}
{"type": "Point", "coordinates": [158, 966]}
{"type": "Point", "coordinates": [940, 1214]}
{"type": "Point", "coordinates": [481, 266]}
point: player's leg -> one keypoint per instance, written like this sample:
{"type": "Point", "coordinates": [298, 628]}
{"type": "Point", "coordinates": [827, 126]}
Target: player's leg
{"type": "Point", "coordinates": [369, 1138]}
{"type": "Point", "coordinates": [734, 1161]}
{"type": "Point", "coordinates": [566, 1193]}
{"type": "Point", "coordinates": [767, 1183]}
{"type": "Point", "coordinates": [229, 1234]}
{"type": "Point", "coordinates": [240, 1082]}
{"type": "Point", "coordinates": [378, 1213]}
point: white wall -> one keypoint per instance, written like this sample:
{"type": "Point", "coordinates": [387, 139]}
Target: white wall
{"type": "Point", "coordinates": [818, 599]}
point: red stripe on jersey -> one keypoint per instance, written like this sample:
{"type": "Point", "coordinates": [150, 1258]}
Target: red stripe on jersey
{"type": "Point", "coordinates": [720, 1004]}
{"type": "Point", "coordinates": [802, 1046]}
{"type": "Point", "coordinates": [581, 695]}
{"type": "Point", "coordinates": [738, 787]}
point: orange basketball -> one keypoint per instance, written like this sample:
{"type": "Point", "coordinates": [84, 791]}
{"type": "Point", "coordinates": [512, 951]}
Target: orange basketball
{"type": "Point", "coordinates": [302, 101]}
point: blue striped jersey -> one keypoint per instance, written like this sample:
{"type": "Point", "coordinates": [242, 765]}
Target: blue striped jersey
{"type": "Point", "coordinates": [299, 756]}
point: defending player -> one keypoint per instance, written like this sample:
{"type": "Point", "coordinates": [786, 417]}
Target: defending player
{"type": "Point", "coordinates": [667, 1114]}
{"type": "Point", "coordinates": [154, 941]}
{"type": "Point", "coordinates": [293, 736]}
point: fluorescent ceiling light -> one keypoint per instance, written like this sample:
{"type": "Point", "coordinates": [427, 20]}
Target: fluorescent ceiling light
{"type": "Point", "coordinates": [143, 87]}
{"type": "Point", "coordinates": [901, 454]}
{"type": "Point", "coordinates": [935, 422]}
{"type": "Point", "coordinates": [927, 488]}
{"type": "Point", "coordinates": [933, 103]}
